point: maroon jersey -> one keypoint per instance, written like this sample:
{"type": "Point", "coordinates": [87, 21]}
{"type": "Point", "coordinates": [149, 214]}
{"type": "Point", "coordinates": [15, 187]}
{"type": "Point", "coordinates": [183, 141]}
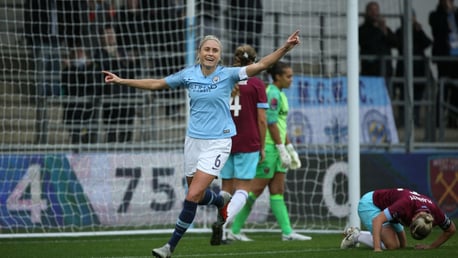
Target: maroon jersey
{"type": "Point", "coordinates": [244, 111]}
{"type": "Point", "coordinates": [403, 204]}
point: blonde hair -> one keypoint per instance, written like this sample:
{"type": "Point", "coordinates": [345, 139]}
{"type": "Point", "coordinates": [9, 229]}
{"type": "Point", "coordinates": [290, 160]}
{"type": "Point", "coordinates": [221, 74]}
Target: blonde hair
{"type": "Point", "coordinates": [421, 226]}
{"type": "Point", "coordinates": [205, 39]}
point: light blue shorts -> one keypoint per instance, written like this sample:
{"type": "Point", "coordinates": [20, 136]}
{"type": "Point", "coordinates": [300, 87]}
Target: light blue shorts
{"type": "Point", "coordinates": [240, 166]}
{"type": "Point", "coordinates": [367, 211]}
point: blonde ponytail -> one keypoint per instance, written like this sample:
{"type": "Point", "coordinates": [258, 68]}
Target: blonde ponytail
{"type": "Point", "coordinates": [421, 226]}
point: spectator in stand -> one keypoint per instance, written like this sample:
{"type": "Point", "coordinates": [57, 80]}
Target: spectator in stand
{"type": "Point", "coordinates": [444, 27]}
{"type": "Point", "coordinates": [249, 115]}
{"type": "Point", "coordinates": [78, 80]}
{"type": "Point", "coordinates": [421, 68]}
{"type": "Point", "coordinates": [132, 25]}
{"type": "Point", "coordinates": [168, 37]}
{"type": "Point", "coordinates": [279, 156]}
{"type": "Point", "coordinates": [101, 13]}
{"type": "Point", "coordinates": [208, 14]}
{"type": "Point", "coordinates": [385, 213]}
{"type": "Point", "coordinates": [245, 21]}
{"type": "Point", "coordinates": [133, 30]}
{"type": "Point", "coordinates": [117, 115]}
{"type": "Point", "coordinates": [48, 26]}
{"type": "Point", "coordinates": [377, 39]}
{"type": "Point", "coordinates": [167, 25]}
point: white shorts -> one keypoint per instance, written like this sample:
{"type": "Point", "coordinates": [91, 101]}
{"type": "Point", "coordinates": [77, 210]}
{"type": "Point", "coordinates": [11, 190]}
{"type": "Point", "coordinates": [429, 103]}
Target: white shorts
{"type": "Point", "coordinates": [206, 155]}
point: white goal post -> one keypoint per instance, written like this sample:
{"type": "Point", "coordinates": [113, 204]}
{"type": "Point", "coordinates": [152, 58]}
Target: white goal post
{"type": "Point", "coordinates": [78, 157]}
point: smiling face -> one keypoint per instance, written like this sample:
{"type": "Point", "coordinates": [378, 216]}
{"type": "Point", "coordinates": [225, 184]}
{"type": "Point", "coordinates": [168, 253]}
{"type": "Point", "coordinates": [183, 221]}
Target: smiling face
{"type": "Point", "coordinates": [209, 54]}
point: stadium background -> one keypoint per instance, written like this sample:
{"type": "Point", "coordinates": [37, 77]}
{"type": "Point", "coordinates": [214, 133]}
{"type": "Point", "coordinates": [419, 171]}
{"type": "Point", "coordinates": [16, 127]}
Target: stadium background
{"type": "Point", "coordinates": [78, 179]}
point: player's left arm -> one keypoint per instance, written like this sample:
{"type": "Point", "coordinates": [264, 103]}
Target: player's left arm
{"type": "Point", "coordinates": [442, 238]}
{"type": "Point", "coordinates": [402, 239]}
{"type": "Point", "coordinates": [295, 160]}
{"type": "Point", "coordinates": [262, 127]}
{"type": "Point", "coordinates": [269, 60]}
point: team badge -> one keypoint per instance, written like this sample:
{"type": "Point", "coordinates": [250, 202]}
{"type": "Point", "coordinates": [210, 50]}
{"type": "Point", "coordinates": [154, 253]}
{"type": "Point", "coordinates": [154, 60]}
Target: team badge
{"type": "Point", "coordinates": [273, 104]}
{"type": "Point", "coordinates": [375, 127]}
{"type": "Point", "coordinates": [215, 79]}
{"type": "Point", "coordinates": [266, 170]}
{"type": "Point", "coordinates": [443, 183]}
{"type": "Point", "coordinates": [299, 128]}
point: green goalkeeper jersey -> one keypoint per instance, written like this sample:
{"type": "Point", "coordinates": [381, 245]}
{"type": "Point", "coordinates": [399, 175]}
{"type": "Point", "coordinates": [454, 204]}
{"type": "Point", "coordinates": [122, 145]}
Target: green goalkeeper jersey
{"type": "Point", "coordinates": [277, 112]}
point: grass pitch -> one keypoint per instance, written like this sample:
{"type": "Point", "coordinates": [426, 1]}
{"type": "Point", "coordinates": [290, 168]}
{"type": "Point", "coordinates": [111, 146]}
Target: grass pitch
{"type": "Point", "coordinates": [198, 245]}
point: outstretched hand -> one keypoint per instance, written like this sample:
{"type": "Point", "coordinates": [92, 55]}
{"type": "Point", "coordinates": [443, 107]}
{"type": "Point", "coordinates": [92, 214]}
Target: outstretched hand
{"type": "Point", "coordinates": [111, 77]}
{"type": "Point", "coordinates": [293, 40]}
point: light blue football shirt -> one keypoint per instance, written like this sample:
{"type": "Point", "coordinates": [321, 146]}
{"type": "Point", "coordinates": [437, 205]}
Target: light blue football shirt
{"type": "Point", "coordinates": [209, 98]}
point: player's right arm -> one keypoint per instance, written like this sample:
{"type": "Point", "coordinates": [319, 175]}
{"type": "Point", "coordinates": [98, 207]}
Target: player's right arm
{"type": "Point", "coordinates": [377, 224]}
{"type": "Point", "coordinates": [145, 84]}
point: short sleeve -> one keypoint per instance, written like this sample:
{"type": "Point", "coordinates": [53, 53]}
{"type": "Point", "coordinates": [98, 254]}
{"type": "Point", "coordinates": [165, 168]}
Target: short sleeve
{"type": "Point", "coordinates": [242, 74]}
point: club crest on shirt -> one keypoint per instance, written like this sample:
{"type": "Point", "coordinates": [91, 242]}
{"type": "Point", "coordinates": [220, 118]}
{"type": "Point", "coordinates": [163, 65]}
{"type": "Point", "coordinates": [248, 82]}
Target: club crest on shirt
{"type": "Point", "coordinates": [215, 79]}
{"type": "Point", "coordinates": [273, 104]}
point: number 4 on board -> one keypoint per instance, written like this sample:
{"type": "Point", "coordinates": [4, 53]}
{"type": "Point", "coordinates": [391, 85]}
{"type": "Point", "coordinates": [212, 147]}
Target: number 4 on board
{"type": "Point", "coordinates": [17, 201]}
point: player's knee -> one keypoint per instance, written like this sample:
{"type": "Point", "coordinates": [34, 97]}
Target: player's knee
{"type": "Point", "coordinates": [392, 246]}
{"type": "Point", "coordinates": [390, 238]}
{"type": "Point", "coordinates": [194, 196]}
{"type": "Point", "coordinates": [392, 243]}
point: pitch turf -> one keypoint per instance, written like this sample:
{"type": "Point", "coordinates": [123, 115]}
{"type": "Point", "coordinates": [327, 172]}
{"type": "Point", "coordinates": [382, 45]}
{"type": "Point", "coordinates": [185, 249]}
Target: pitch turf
{"type": "Point", "coordinates": [197, 245]}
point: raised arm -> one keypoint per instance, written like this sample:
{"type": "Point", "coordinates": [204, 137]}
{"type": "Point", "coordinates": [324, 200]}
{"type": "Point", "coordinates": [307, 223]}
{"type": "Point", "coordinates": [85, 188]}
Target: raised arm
{"type": "Point", "coordinates": [146, 84]}
{"type": "Point", "coordinates": [267, 61]}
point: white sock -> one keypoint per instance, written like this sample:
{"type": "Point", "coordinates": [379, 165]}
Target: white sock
{"type": "Point", "coordinates": [366, 238]}
{"type": "Point", "coordinates": [237, 202]}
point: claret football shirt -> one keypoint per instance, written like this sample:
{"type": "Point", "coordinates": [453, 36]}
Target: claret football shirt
{"type": "Point", "coordinates": [400, 205]}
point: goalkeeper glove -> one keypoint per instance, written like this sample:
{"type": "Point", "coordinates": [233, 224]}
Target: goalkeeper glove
{"type": "Point", "coordinates": [295, 160]}
{"type": "Point", "coordinates": [284, 156]}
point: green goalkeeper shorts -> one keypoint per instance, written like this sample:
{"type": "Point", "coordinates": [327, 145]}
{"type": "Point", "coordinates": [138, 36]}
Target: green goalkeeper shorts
{"type": "Point", "coordinates": [271, 163]}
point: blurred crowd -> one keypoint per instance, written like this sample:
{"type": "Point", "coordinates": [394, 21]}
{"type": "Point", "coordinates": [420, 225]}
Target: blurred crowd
{"type": "Point", "coordinates": [377, 41]}
{"type": "Point", "coordinates": [72, 41]}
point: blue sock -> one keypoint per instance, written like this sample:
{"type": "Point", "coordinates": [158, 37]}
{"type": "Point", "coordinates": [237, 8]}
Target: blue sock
{"type": "Point", "coordinates": [211, 197]}
{"type": "Point", "coordinates": [184, 221]}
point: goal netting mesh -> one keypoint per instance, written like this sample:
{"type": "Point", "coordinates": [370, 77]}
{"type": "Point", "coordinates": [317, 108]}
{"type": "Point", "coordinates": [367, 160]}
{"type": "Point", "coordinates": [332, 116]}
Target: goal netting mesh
{"type": "Point", "coordinates": [79, 156]}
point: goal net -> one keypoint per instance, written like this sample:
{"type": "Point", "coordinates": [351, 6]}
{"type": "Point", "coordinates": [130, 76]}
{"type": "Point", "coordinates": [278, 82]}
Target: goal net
{"type": "Point", "coordinates": [81, 157]}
